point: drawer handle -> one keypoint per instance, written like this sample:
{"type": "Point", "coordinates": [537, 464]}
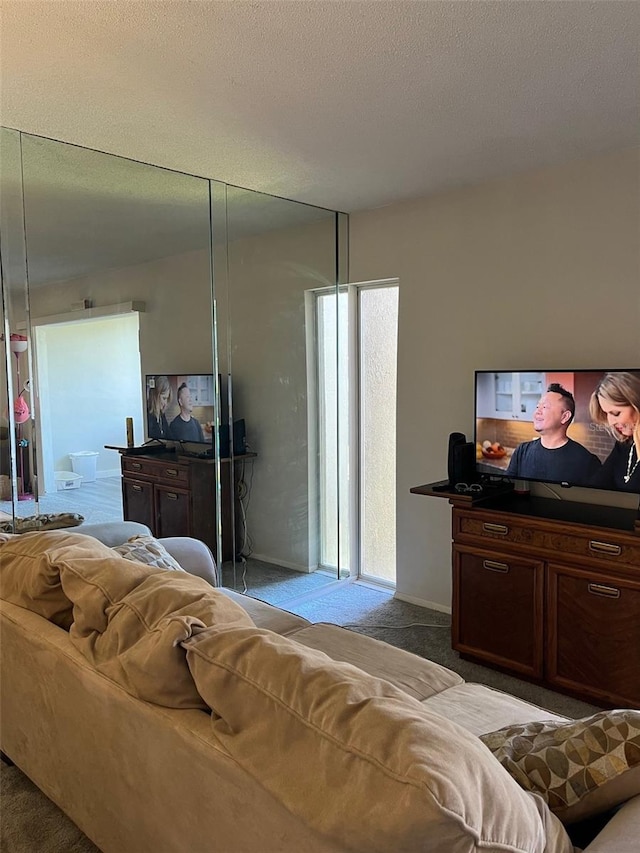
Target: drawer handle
{"type": "Point", "coordinates": [495, 567]}
{"type": "Point", "coordinates": [604, 548]}
{"type": "Point", "coordinates": [606, 591]}
{"type": "Point", "coordinates": [136, 466]}
{"type": "Point", "coordinates": [500, 529]}
{"type": "Point", "coordinates": [136, 488]}
{"type": "Point", "coordinates": [171, 496]}
{"type": "Point", "coordinates": [171, 472]}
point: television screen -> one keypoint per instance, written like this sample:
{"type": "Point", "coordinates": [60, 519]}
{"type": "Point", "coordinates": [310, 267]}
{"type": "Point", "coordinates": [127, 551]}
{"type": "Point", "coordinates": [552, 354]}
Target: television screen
{"type": "Point", "coordinates": [572, 427]}
{"type": "Point", "coordinates": [180, 407]}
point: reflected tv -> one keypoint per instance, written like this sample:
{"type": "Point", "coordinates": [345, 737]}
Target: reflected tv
{"type": "Point", "coordinates": [180, 407]}
{"type": "Point", "coordinates": [568, 427]}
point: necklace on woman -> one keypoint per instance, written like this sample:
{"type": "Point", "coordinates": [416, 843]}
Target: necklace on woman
{"type": "Point", "coordinates": [630, 470]}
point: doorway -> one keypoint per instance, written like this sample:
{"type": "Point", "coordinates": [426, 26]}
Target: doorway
{"type": "Point", "coordinates": [89, 381]}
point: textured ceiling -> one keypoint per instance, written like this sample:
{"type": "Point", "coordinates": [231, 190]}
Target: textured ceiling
{"type": "Point", "coordinates": [347, 105]}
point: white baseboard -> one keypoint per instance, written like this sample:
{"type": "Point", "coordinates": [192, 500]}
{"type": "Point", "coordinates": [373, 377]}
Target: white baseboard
{"type": "Point", "coordinates": [296, 567]}
{"type": "Point", "coordinates": [108, 472]}
{"type": "Point", "coordinates": [421, 602]}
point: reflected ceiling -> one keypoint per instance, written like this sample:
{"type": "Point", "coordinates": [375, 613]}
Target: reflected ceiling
{"type": "Point", "coordinates": [87, 212]}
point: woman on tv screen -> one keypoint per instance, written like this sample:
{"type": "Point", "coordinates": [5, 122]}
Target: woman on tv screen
{"type": "Point", "coordinates": [158, 398]}
{"type": "Point", "coordinates": [615, 403]}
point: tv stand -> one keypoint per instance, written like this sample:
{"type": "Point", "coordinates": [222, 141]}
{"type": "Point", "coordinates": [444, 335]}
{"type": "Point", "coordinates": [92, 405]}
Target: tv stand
{"type": "Point", "coordinates": [175, 495]}
{"type": "Point", "coordinates": [548, 590]}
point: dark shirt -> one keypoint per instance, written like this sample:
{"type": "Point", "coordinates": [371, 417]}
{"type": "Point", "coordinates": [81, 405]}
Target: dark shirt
{"type": "Point", "coordinates": [181, 430]}
{"type": "Point", "coordinates": [614, 468]}
{"type": "Point", "coordinates": [157, 428]}
{"type": "Point", "coordinates": [572, 463]}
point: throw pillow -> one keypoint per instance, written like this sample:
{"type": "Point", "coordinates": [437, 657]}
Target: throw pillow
{"type": "Point", "coordinates": [49, 521]}
{"type": "Point", "coordinates": [581, 767]}
{"type": "Point", "coordinates": [146, 549]}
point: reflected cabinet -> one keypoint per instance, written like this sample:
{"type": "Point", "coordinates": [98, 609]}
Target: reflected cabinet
{"type": "Point", "coordinates": [173, 496]}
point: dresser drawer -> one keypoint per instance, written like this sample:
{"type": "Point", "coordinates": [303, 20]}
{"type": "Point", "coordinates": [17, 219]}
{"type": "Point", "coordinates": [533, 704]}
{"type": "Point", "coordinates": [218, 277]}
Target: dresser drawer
{"type": "Point", "coordinates": [498, 608]}
{"type": "Point", "coordinates": [543, 538]}
{"type": "Point", "coordinates": [593, 630]}
{"type": "Point", "coordinates": [167, 472]}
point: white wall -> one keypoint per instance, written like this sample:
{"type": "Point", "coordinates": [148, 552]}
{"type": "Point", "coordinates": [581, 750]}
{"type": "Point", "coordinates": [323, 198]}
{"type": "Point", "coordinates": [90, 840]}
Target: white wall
{"type": "Point", "coordinates": [537, 270]}
{"type": "Point", "coordinates": [268, 277]}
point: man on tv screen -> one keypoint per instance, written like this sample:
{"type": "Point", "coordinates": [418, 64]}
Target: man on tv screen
{"type": "Point", "coordinates": [184, 427]}
{"type": "Point", "coordinates": [553, 456]}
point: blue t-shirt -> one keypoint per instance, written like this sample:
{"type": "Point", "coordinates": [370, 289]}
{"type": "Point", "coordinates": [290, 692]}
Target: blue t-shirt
{"type": "Point", "coordinates": [572, 463]}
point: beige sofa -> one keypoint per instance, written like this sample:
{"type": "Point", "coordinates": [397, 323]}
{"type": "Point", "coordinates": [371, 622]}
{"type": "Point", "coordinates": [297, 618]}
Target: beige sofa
{"type": "Point", "coordinates": [162, 714]}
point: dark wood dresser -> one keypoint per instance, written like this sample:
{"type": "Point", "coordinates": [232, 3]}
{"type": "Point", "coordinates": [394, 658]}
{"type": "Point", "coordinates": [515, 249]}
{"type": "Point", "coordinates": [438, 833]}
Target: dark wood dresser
{"type": "Point", "coordinates": [176, 496]}
{"type": "Point", "coordinates": [550, 591]}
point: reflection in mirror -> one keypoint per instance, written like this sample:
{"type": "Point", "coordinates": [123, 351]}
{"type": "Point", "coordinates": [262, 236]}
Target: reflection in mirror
{"type": "Point", "coordinates": [16, 418]}
{"type": "Point", "coordinates": [124, 271]}
{"type": "Point", "coordinates": [279, 355]}
{"type": "Point", "coordinates": [119, 287]}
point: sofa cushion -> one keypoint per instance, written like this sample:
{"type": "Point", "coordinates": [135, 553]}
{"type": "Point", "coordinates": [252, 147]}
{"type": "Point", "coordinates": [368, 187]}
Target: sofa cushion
{"type": "Point", "coordinates": [93, 578]}
{"type": "Point", "coordinates": [31, 577]}
{"type": "Point", "coordinates": [417, 676]}
{"type": "Point", "coordinates": [146, 549]}
{"type": "Point", "coordinates": [266, 615]}
{"type": "Point", "coordinates": [580, 767]}
{"type": "Point", "coordinates": [127, 618]}
{"type": "Point", "coordinates": [132, 635]}
{"type": "Point", "coordinates": [387, 773]}
{"type": "Point", "coordinates": [481, 709]}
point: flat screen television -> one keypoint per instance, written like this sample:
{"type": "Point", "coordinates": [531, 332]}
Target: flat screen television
{"type": "Point", "coordinates": [181, 408]}
{"type": "Point", "coordinates": [569, 427]}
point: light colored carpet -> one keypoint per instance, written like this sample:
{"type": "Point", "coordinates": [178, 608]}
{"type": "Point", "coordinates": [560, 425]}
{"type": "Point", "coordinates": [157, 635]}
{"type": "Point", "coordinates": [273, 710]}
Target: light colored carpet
{"type": "Point", "coordinates": [31, 823]}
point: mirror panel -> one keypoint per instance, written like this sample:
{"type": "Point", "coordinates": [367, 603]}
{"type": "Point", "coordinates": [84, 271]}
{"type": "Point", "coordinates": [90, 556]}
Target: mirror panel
{"type": "Point", "coordinates": [120, 287]}
{"type": "Point", "coordinates": [16, 418]}
{"type": "Point", "coordinates": [115, 270]}
{"type": "Point", "coordinates": [281, 259]}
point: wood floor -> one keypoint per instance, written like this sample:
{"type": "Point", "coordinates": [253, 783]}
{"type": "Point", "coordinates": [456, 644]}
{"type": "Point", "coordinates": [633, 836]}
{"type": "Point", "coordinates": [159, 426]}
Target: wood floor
{"type": "Point", "coordinates": [97, 501]}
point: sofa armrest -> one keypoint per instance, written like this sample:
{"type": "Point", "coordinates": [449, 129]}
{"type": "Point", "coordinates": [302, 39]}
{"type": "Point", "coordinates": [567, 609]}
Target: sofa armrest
{"type": "Point", "coordinates": [194, 556]}
{"type": "Point", "coordinates": [622, 832]}
{"type": "Point", "coordinates": [112, 533]}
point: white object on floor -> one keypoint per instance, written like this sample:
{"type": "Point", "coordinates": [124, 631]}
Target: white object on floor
{"type": "Point", "coordinates": [85, 462]}
{"type": "Point", "coordinates": [67, 480]}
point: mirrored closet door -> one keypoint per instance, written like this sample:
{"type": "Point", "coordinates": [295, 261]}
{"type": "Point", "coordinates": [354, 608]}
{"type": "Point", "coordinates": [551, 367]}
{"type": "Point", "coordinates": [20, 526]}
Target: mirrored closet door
{"type": "Point", "coordinates": [115, 273]}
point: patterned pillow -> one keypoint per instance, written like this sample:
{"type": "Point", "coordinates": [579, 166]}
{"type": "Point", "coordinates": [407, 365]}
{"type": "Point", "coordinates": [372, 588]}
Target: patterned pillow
{"type": "Point", "coordinates": [581, 767]}
{"type": "Point", "coordinates": [50, 521]}
{"type": "Point", "coordinates": [146, 549]}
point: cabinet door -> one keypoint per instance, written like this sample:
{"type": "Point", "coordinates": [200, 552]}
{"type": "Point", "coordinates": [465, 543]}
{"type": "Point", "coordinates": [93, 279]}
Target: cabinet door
{"type": "Point", "coordinates": [137, 502]}
{"type": "Point", "coordinates": [498, 608]}
{"type": "Point", "coordinates": [516, 395]}
{"type": "Point", "coordinates": [594, 634]}
{"type": "Point", "coordinates": [173, 511]}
